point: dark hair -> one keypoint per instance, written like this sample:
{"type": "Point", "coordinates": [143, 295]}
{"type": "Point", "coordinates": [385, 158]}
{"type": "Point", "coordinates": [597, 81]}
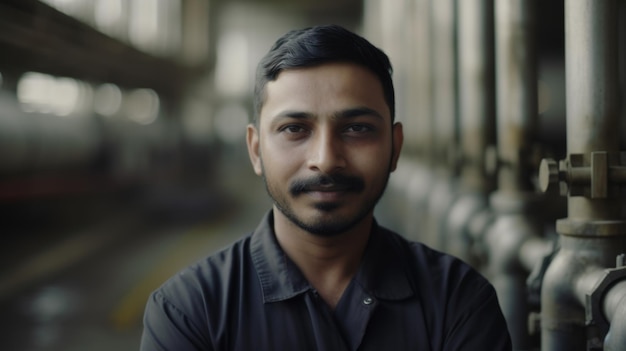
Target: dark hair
{"type": "Point", "coordinates": [317, 45]}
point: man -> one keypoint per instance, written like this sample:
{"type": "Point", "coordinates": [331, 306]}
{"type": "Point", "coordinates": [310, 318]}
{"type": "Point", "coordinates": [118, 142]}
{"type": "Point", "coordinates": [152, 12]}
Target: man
{"type": "Point", "coordinates": [319, 273]}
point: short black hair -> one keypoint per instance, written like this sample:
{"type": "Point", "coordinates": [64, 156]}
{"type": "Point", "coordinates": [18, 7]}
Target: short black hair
{"type": "Point", "coordinates": [318, 45]}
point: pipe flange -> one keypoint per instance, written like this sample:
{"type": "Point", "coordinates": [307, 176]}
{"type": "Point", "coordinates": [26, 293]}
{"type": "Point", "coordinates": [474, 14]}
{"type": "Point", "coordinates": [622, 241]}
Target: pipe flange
{"type": "Point", "coordinates": [597, 324]}
{"type": "Point", "coordinates": [587, 228]}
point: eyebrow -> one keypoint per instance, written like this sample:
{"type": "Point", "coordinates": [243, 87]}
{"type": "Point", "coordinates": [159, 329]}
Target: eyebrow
{"type": "Point", "coordinates": [343, 114]}
{"type": "Point", "coordinates": [357, 112]}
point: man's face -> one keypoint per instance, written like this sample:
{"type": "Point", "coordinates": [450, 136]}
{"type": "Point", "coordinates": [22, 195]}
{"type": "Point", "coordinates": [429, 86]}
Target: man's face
{"type": "Point", "coordinates": [325, 145]}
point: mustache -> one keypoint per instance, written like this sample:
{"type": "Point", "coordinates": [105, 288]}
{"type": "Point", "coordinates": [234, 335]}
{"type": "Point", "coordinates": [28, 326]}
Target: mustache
{"type": "Point", "coordinates": [327, 182]}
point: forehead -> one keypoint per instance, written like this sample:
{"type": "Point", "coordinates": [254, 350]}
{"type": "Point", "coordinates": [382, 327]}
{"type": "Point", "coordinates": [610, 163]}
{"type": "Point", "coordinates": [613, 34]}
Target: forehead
{"type": "Point", "coordinates": [324, 90]}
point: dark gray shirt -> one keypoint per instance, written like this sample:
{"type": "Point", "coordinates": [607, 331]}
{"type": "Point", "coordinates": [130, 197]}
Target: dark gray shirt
{"type": "Point", "coordinates": [251, 296]}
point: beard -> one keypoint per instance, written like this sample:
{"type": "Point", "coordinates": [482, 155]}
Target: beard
{"type": "Point", "coordinates": [325, 225]}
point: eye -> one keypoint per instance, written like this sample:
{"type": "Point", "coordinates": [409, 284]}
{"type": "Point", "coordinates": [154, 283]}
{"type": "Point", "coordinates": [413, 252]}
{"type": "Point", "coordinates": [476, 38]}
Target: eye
{"type": "Point", "coordinates": [292, 129]}
{"type": "Point", "coordinates": [359, 128]}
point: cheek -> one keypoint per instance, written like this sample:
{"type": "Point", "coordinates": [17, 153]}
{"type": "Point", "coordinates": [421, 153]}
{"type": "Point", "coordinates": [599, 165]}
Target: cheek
{"type": "Point", "coordinates": [279, 162]}
{"type": "Point", "coordinates": [373, 160]}
{"type": "Point", "coordinates": [372, 168]}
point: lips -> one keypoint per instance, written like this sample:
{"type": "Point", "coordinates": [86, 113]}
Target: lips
{"type": "Point", "coordinates": [329, 188]}
{"type": "Point", "coordinates": [326, 197]}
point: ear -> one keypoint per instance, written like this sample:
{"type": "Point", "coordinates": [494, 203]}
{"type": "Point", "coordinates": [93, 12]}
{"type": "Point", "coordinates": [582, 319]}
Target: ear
{"type": "Point", "coordinates": [397, 140]}
{"type": "Point", "coordinates": [252, 139]}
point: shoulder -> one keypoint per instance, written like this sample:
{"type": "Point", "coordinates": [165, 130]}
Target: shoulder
{"type": "Point", "coordinates": [197, 291]}
{"type": "Point", "coordinates": [459, 303]}
{"type": "Point", "coordinates": [184, 312]}
{"type": "Point", "coordinates": [467, 303]}
{"type": "Point", "coordinates": [438, 267]}
{"type": "Point", "coordinates": [206, 276]}
{"type": "Point", "coordinates": [446, 282]}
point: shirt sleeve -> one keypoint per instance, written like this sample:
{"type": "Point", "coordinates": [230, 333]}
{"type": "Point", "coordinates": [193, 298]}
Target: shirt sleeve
{"type": "Point", "coordinates": [478, 323]}
{"type": "Point", "coordinates": [167, 328]}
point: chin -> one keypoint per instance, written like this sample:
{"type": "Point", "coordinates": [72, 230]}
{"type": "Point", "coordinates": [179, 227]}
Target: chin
{"type": "Point", "coordinates": [327, 221]}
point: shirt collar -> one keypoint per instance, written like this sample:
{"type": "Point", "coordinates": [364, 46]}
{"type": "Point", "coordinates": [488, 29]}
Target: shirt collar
{"type": "Point", "coordinates": [383, 271]}
{"type": "Point", "coordinates": [280, 278]}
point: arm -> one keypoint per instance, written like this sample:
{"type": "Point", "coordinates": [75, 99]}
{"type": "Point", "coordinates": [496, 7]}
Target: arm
{"type": "Point", "coordinates": [477, 323]}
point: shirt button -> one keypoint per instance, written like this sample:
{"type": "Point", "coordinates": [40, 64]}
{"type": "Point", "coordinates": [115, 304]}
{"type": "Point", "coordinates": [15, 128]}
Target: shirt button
{"type": "Point", "coordinates": [368, 301]}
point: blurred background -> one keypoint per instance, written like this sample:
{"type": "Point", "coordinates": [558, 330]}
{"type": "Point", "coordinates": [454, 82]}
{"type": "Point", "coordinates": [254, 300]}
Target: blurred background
{"type": "Point", "coordinates": [123, 158]}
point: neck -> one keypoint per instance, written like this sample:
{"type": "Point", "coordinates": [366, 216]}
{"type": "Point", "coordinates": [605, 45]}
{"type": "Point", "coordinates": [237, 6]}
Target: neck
{"type": "Point", "coordinates": [328, 263]}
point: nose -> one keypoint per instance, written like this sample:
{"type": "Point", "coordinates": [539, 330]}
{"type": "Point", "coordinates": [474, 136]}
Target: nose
{"type": "Point", "coordinates": [326, 153]}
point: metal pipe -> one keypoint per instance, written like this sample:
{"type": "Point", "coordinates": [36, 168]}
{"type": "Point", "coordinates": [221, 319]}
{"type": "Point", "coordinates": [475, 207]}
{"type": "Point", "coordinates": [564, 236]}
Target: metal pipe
{"type": "Point", "coordinates": [476, 118]}
{"type": "Point", "coordinates": [516, 87]}
{"type": "Point", "coordinates": [423, 95]}
{"type": "Point", "coordinates": [570, 278]}
{"type": "Point", "coordinates": [515, 205]}
{"type": "Point", "coordinates": [591, 92]}
{"type": "Point", "coordinates": [534, 250]}
{"type": "Point", "coordinates": [562, 315]}
{"type": "Point", "coordinates": [444, 110]}
{"type": "Point", "coordinates": [476, 89]}
{"type": "Point", "coordinates": [444, 81]}
{"type": "Point", "coordinates": [418, 186]}
{"type": "Point", "coordinates": [591, 69]}
{"type": "Point", "coordinates": [515, 229]}
{"type": "Point", "coordinates": [615, 311]}
{"type": "Point", "coordinates": [594, 232]}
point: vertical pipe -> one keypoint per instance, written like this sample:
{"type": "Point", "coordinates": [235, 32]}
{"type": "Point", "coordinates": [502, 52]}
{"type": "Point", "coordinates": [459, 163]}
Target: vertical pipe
{"type": "Point", "coordinates": [516, 87]}
{"type": "Point", "coordinates": [444, 111]}
{"type": "Point", "coordinates": [592, 92]}
{"type": "Point", "coordinates": [476, 89]}
{"type": "Point", "coordinates": [423, 97]}
{"type": "Point", "coordinates": [444, 80]}
{"type": "Point", "coordinates": [593, 233]}
{"type": "Point", "coordinates": [476, 121]}
{"type": "Point", "coordinates": [505, 239]}
{"type": "Point", "coordinates": [513, 202]}
{"type": "Point", "coordinates": [418, 186]}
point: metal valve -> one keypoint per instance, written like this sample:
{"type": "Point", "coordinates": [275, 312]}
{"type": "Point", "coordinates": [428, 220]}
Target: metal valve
{"type": "Point", "coordinates": [590, 175]}
{"type": "Point", "coordinates": [549, 176]}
